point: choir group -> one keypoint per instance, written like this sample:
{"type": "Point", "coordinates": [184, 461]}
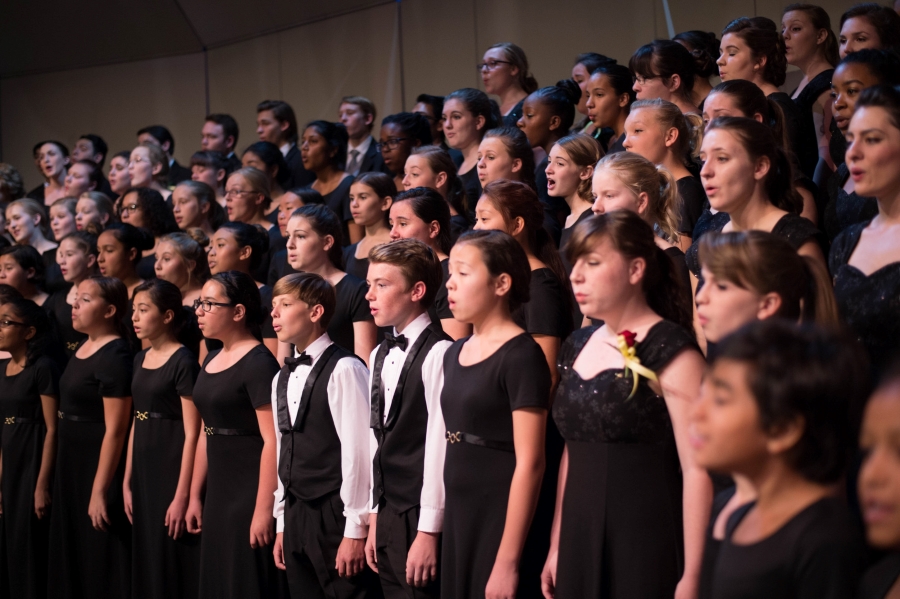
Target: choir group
{"type": "Point", "coordinates": [482, 351]}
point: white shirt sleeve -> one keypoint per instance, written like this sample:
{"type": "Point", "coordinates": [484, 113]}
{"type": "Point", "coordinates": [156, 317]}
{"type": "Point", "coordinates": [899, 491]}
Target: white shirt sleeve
{"type": "Point", "coordinates": [348, 399]}
{"type": "Point", "coordinates": [431, 514]}
{"type": "Point", "coordinates": [278, 510]}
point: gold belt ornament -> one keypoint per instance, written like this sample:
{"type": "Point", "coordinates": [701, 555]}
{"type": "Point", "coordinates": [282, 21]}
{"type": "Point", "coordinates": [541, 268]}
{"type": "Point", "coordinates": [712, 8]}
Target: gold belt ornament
{"type": "Point", "coordinates": [209, 431]}
{"type": "Point", "coordinates": [142, 415]}
{"type": "Point", "coordinates": [454, 437]}
{"type": "Point", "coordinates": [10, 420]}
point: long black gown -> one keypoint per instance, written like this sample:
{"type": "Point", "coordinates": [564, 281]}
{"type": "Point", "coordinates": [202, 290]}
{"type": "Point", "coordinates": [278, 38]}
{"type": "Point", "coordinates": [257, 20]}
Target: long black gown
{"type": "Point", "coordinates": [86, 563]}
{"type": "Point", "coordinates": [24, 431]}
{"type": "Point", "coordinates": [479, 400]}
{"type": "Point", "coordinates": [163, 567]}
{"type": "Point", "coordinates": [229, 567]}
{"type": "Point", "coordinates": [621, 529]}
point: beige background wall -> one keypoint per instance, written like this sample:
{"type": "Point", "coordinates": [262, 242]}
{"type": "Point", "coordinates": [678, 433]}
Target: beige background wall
{"type": "Point", "coordinates": [390, 53]}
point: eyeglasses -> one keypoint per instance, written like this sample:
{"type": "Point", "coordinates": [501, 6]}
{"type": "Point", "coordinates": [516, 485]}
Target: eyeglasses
{"type": "Point", "coordinates": [137, 160]}
{"type": "Point", "coordinates": [236, 192]}
{"type": "Point", "coordinates": [129, 208]}
{"type": "Point", "coordinates": [5, 324]}
{"type": "Point", "coordinates": [491, 64]}
{"type": "Point", "coordinates": [391, 144]}
{"type": "Point", "coordinates": [208, 305]}
{"type": "Point", "coordinates": [643, 81]}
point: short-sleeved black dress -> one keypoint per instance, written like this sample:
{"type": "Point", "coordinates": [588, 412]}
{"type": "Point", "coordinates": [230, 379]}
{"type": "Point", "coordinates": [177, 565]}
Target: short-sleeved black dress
{"type": "Point", "coordinates": [229, 567]}
{"type": "Point", "coordinates": [870, 305]}
{"type": "Point", "coordinates": [351, 307]}
{"type": "Point", "coordinates": [85, 562]}
{"type": "Point", "coordinates": [621, 529]}
{"type": "Point", "coordinates": [24, 431]}
{"type": "Point", "coordinates": [163, 567]}
{"type": "Point", "coordinates": [479, 400]}
{"type": "Point", "coordinates": [818, 554]}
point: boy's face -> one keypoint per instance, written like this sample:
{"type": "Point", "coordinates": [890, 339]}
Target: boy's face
{"type": "Point", "coordinates": [391, 300]}
{"type": "Point", "coordinates": [292, 318]}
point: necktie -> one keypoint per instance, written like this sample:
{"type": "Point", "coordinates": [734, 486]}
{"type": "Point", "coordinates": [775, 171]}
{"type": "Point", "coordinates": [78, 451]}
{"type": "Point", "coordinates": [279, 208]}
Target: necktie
{"type": "Point", "coordinates": [399, 341]}
{"type": "Point", "coordinates": [353, 165]}
{"type": "Point", "coordinates": [303, 358]}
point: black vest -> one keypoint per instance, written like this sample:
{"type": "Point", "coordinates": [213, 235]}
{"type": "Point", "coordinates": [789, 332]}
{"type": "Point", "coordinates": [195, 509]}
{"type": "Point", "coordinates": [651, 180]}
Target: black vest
{"type": "Point", "coordinates": [310, 461]}
{"type": "Point", "coordinates": [398, 465]}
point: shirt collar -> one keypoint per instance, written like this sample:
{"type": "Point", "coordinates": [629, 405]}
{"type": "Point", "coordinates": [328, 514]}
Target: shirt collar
{"type": "Point", "coordinates": [316, 348]}
{"type": "Point", "coordinates": [362, 148]}
{"type": "Point", "coordinates": [415, 328]}
{"type": "Point", "coordinates": [286, 148]}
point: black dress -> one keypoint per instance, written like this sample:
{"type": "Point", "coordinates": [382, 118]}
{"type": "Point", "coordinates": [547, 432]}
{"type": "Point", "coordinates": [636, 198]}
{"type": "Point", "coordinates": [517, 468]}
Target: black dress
{"type": "Point", "coordinates": [351, 307]}
{"type": "Point", "coordinates": [440, 309]}
{"type": "Point", "coordinates": [84, 562]}
{"type": "Point", "coordinates": [682, 274]}
{"type": "Point", "coordinates": [818, 554]}
{"type": "Point", "coordinates": [617, 146]}
{"type": "Point", "coordinates": [459, 224]}
{"type": "Point", "coordinates": [358, 267]}
{"type": "Point", "coordinates": [512, 118]}
{"type": "Point", "coordinates": [339, 202]}
{"type": "Point", "coordinates": [621, 529]}
{"type": "Point", "coordinates": [479, 400]}
{"type": "Point", "coordinates": [693, 202]}
{"type": "Point", "coordinates": [53, 279]}
{"type": "Point", "coordinates": [163, 567]}
{"type": "Point", "coordinates": [843, 209]}
{"type": "Point", "coordinates": [24, 570]}
{"type": "Point", "coordinates": [61, 314]}
{"type": "Point", "coordinates": [869, 305]}
{"type": "Point", "coordinates": [804, 147]}
{"type": "Point", "coordinates": [278, 267]}
{"type": "Point", "coordinates": [472, 185]}
{"type": "Point", "coordinates": [229, 567]}
{"type": "Point", "coordinates": [879, 579]}
{"type": "Point", "coordinates": [805, 101]}
{"type": "Point", "coordinates": [146, 268]}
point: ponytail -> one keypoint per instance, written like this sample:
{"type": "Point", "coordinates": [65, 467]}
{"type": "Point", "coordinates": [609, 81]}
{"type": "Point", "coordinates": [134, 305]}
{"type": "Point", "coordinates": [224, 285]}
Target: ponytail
{"type": "Point", "coordinates": [818, 303]}
{"type": "Point", "coordinates": [669, 204]}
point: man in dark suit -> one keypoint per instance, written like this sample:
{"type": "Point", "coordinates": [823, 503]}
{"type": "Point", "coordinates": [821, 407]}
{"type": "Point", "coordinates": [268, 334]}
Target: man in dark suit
{"type": "Point", "coordinates": [160, 136]}
{"type": "Point", "coordinates": [220, 134]}
{"type": "Point", "coordinates": [358, 116]}
{"type": "Point", "coordinates": [276, 123]}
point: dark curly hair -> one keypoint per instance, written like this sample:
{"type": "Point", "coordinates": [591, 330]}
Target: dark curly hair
{"type": "Point", "coordinates": [157, 216]}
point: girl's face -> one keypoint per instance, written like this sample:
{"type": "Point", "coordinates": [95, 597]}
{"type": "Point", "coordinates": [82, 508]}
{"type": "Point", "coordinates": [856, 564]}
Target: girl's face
{"type": "Point", "coordinates": [736, 60]}
{"type": "Point", "coordinates": [251, 159]}
{"type": "Point", "coordinates": [119, 178]}
{"type": "Point", "coordinates": [241, 202]}
{"type": "Point", "coordinates": [563, 175]}
{"type": "Point", "coordinates": [723, 306]}
{"type": "Point", "coordinates": [62, 222]}
{"type": "Point", "coordinates": [651, 88]}
{"type": "Point", "coordinates": [537, 123]}
{"type": "Point", "coordinates": [846, 84]}
{"type": "Point", "coordinates": [73, 261]}
{"type": "Point", "coordinates": [719, 104]}
{"type": "Point", "coordinates": [610, 193]}
{"type": "Point", "coordinates": [461, 127]}
{"type": "Point", "coordinates": [187, 209]}
{"type": "Point", "coordinates": [472, 291]}
{"type": "Point", "coordinates": [130, 210]}
{"type": "Point", "coordinates": [170, 266]}
{"type": "Point", "coordinates": [78, 180]}
{"type": "Point", "coordinates": [729, 175]}
{"type": "Point", "coordinates": [645, 136]}
{"type": "Point", "coordinates": [488, 218]}
{"type": "Point", "coordinates": [366, 207]}
{"type": "Point", "coordinates": [603, 279]}
{"type": "Point", "coordinates": [494, 162]}
{"type": "Point", "coordinates": [602, 103]}
{"type": "Point", "coordinates": [306, 248]}
{"type": "Point", "coordinates": [405, 224]}
{"type": "Point", "coordinates": [90, 311]}
{"type": "Point", "coordinates": [16, 335]}
{"type": "Point", "coordinates": [52, 161]}
{"type": "Point", "coordinates": [113, 259]}
{"type": "Point", "coordinates": [725, 433]}
{"type": "Point", "coordinates": [12, 274]}
{"type": "Point", "coordinates": [140, 169]}
{"type": "Point", "coordinates": [496, 74]}
{"type": "Point", "coordinates": [418, 173]}
{"type": "Point", "coordinates": [148, 321]}
{"type": "Point", "coordinates": [858, 34]}
{"type": "Point", "coordinates": [86, 212]}
{"type": "Point", "coordinates": [801, 39]}
{"type": "Point", "coordinates": [207, 174]}
{"type": "Point", "coordinates": [581, 76]}
{"type": "Point", "coordinates": [874, 152]}
{"type": "Point", "coordinates": [314, 150]}
{"type": "Point", "coordinates": [879, 475]}
{"type": "Point", "coordinates": [395, 147]}
{"type": "Point", "coordinates": [21, 225]}
{"type": "Point", "coordinates": [220, 319]}
{"type": "Point", "coordinates": [226, 254]}
{"type": "Point", "coordinates": [287, 203]}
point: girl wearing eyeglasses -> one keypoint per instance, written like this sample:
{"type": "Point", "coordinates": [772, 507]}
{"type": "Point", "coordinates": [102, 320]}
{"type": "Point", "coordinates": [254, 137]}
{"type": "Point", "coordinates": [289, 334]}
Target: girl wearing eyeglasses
{"type": "Point", "coordinates": [146, 209]}
{"type": "Point", "coordinates": [29, 398]}
{"type": "Point", "coordinates": [400, 134]}
{"type": "Point", "coordinates": [504, 72]}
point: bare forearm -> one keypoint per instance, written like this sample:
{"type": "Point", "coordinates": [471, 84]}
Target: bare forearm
{"type": "Point", "coordinates": [697, 498]}
{"type": "Point", "coordinates": [268, 471]}
{"type": "Point", "coordinates": [48, 459]}
{"type": "Point", "coordinates": [110, 453]}
{"type": "Point", "coordinates": [523, 497]}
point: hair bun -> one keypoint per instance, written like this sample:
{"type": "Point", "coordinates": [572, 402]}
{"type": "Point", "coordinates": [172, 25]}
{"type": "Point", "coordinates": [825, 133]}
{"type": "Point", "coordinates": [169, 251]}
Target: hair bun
{"type": "Point", "coordinates": [197, 234]}
{"type": "Point", "coordinates": [571, 89]}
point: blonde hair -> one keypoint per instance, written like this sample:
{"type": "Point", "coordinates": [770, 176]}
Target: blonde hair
{"type": "Point", "coordinates": [258, 181]}
{"type": "Point", "coordinates": [584, 152]}
{"type": "Point", "coordinates": [191, 247]}
{"type": "Point", "coordinates": [157, 157]}
{"type": "Point", "coordinates": [33, 208]}
{"type": "Point", "coordinates": [640, 175]}
{"type": "Point", "coordinates": [689, 127]}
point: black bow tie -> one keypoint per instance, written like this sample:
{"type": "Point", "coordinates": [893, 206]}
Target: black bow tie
{"type": "Point", "coordinates": [399, 341]}
{"type": "Point", "coordinates": [303, 358]}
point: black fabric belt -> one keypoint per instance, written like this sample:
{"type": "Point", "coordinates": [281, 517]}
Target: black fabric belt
{"type": "Point", "coordinates": [156, 415]}
{"type": "Point", "coordinates": [459, 437]}
{"type": "Point", "coordinates": [230, 432]}
{"type": "Point", "coordinates": [74, 418]}
{"type": "Point", "coordinates": [22, 420]}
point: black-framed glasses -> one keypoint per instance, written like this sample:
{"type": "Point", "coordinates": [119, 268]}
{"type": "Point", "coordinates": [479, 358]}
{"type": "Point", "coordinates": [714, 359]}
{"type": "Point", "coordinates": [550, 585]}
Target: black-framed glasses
{"type": "Point", "coordinates": [390, 144]}
{"type": "Point", "coordinates": [129, 208]}
{"type": "Point", "coordinates": [491, 64]}
{"type": "Point", "coordinates": [5, 324]}
{"type": "Point", "coordinates": [237, 192]}
{"type": "Point", "coordinates": [644, 80]}
{"type": "Point", "coordinates": [208, 305]}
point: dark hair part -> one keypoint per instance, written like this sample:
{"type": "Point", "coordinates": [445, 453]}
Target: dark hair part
{"type": "Point", "coordinates": [704, 47]}
{"type": "Point", "coordinates": [561, 99]}
{"type": "Point", "coordinates": [212, 159]}
{"type": "Point", "coordinates": [593, 61]}
{"type": "Point", "coordinates": [160, 134]}
{"type": "Point", "coordinates": [325, 222]}
{"type": "Point", "coordinates": [820, 20]}
{"type": "Point", "coordinates": [883, 64]}
{"type": "Point", "coordinates": [478, 103]}
{"type": "Point", "coordinates": [622, 80]}
{"type": "Point", "coordinates": [516, 56]}
{"type": "Point", "coordinates": [808, 374]}
{"type": "Point", "coordinates": [158, 217]}
{"type": "Point", "coordinates": [204, 194]}
{"type": "Point", "coordinates": [283, 113]}
{"type": "Point", "coordinates": [336, 137]}
{"type": "Point", "coordinates": [252, 236]}
{"type": "Point", "coordinates": [272, 158]}
{"type": "Point", "coordinates": [98, 144]}
{"type": "Point", "coordinates": [751, 100]}
{"type": "Point", "coordinates": [415, 126]}
{"type": "Point", "coordinates": [516, 143]}
{"type": "Point", "coordinates": [228, 124]}
{"type": "Point", "coordinates": [131, 238]}
{"type": "Point", "coordinates": [114, 293]}
{"type": "Point", "coordinates": [440, 162]}
{"type": "Point", "coordinates": [429, 206]}
{"type": "Point", "coordinates": [665, 58]}
{"type": "Point", "coordinates": [634, 238]}
{"type": "Point", "coordinates": [885, 21]}
{"type": "Point", "coordinates": [29, 259]}
{"type": "Point", "coordinates": [502, 254]}
{"type": "Point", "coordinates": [416, 261]}
{"type": "Point", "coordinates": [31, 315]}
{"type": "Point", "coordinates": [309, 288]}
{"type": "Point", "coordinates": [241, 289]}
{"type": "Point", "coordinates": [764, 43]}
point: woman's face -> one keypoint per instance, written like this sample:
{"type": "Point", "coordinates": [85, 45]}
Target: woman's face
{"type": "Point", "coordinates": [494, 162]}
{"type": "Point", "coordinates": [461, 127]}
{"type": "Point", "coordinates": [610, 193]}
{"type": "Point", "coordinates": [603, 105]}
{"type": "Point", "coordinates": [366, 207]}
{"type": "Point", "coordinates": [170, 266]}
{"type": "Point", "coordinates": [801, 39]}
{"type": "Point", "coordinates": [645, 136]}
{"type": "Point", "coordinates": [15, 336]}
{"type": "Point", "coordinates": [306, 249]}
{"type": "Point", "coordinates": [651, 88]}
{"type": "Point", "coordinates": [140, 169]}
{"type": "Point", "coordinates": [395, 147]}
{"type": "Point", "coordinates": [846, 84]}
{"type": "Point", "coordinates": [879, 475]}
{"type": "Point", "coordinates": [73, 261]}
{"type": "Point", "coordinates": [874, 152]}
{"type": "Point", "coordinates": [729, 175]}
{"type": "Point", "coordinates": [736, 60]}
{"type": "Point", "coordinates": [314, 150]}
{"type": "Point", "coordinates": [723, 307]}
{"type": "Point", "coordinates": [90, 311]}
{"type": "Point", "coordinates": [86, 212]}
{"type": "Point", "coordinates": [220, 319]}
{"type": "Point", "coordinates": [226, 254]}
{"type": "Point", "coordinates": [78, 180]}
{"type": "Point", "coordinates": [12, 274]}
{"type": "Point", "coordinates": [418, 173]}
{"type": "Point", "coordinates": [405, 224]}
{"type": "Point", "coordinates": [497, 75]}
{"type": "Point", "coordinates": [858, 34]}
{"type": "Point", "coordinates": [488, 218]}
{"type": "Point", "coordinates": [241, 203]}
{"type": "Point", "coordinates": [718, 105]}
{"type": "Point", "coordinates": [112, 257]}
{"type": "Point", "coordinates": [187, 209]}
{"type": "Point", "coordinates": [21, 225]}
{"type": "Point", "coordinates": [581, 76]}
{"type": "Point", "coordinates": [287, 203]}
{"type": "Point", "coordinates": [130, 210]}
{"type": "Point", "coordinates": [563, 175]}
{"type": "Point", "coordinates": [62, 222]}
{"type": "Point", "coordinates": [603, 279]}
{"type": "Point", "coordinates": [148, 321]}
{"type": "Point", "coordinates": [52, 161]}
{"type": "Point", "coordinates": [207, 174]}
{"type": "Point", "coordinates": [119, 178]}
{"type": "Point", "coordinates": [471, 290]}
